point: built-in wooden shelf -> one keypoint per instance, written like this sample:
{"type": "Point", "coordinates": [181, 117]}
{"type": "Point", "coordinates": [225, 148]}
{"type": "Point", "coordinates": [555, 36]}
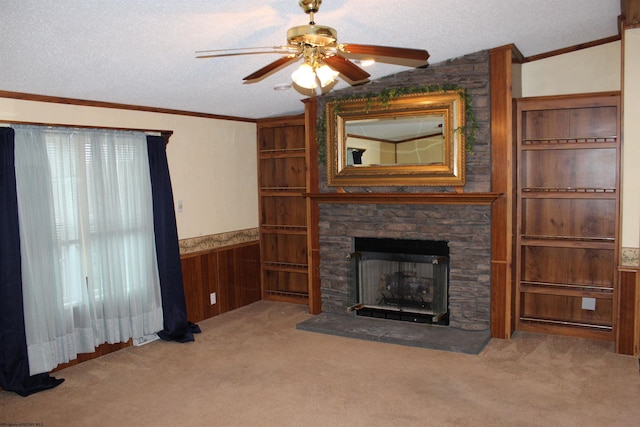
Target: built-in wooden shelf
{"type": "Point", "coordinates": [282, 178]}
{"type": "Point", "coordinates": [567, 213]}
{"type": "Point", "coordinates": [407, 198]}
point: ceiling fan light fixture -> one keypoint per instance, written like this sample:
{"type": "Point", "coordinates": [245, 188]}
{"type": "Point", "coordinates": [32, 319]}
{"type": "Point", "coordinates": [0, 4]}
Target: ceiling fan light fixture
{"type": "Point", "coordinates": [323, 58]}
{"type": "Point", "coordinates": [326, 75]}
{"type": "Point", "coordinates": [305, 76]}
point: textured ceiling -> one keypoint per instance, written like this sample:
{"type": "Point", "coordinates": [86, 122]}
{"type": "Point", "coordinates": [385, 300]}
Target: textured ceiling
{"type": "Point", "coordinates": [141, 52]}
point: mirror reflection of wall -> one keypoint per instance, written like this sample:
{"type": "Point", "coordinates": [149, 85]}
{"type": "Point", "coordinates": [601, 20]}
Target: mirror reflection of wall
{"type": "Point", "coordinates": [370, 151]}
{"type": "Point", "coordinates": [411, 140]}
{"type": "Point", "coordinates": [354, 156]}
{"type": "Point", "coordinates": [428, 151]}
{"type": "Point", "coordinates": [425, 151]}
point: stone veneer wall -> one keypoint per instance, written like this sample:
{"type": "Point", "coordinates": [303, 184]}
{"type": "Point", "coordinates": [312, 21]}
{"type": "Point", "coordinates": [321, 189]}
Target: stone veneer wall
{"type": "Point", "coordinates": [466, 227]}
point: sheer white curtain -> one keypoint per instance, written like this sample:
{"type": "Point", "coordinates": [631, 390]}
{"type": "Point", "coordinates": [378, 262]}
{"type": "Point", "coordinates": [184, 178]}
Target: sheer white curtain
{"type": "Point", "coordinates": [89, 264]}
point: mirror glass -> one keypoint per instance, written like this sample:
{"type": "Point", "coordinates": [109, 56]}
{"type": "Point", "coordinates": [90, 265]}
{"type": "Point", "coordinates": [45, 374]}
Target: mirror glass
{"type": "Point", "coordinates": [410, 140]}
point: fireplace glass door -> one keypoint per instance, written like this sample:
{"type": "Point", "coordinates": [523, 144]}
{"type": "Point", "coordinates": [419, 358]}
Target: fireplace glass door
{"type": "Point", "coordinates": [400, 286]}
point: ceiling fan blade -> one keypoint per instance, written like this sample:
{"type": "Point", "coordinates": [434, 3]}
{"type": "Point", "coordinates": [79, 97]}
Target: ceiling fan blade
{"type": "Point", "coordinates": [219, 55]}
{"type": "Point", "coordinates": [271, 67]}
{"type": "Point", "coordinates": [347, 68]}
{"type": "Point", "coordinates": [215, 53]}
{"type": "Point", "coordinates": [420, 55]}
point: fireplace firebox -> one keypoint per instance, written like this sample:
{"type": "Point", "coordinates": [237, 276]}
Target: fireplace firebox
{"type": "Point", "coordinates": [401, 279]}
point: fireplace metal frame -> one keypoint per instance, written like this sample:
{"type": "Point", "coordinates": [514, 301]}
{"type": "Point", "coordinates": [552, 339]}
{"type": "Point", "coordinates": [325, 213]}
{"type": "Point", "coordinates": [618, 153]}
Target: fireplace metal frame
{"type": "Point", "coordinates": [434, 311]}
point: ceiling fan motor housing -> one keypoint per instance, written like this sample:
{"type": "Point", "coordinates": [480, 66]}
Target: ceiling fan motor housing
{"type": "Point", "coordinates": [313, 35]}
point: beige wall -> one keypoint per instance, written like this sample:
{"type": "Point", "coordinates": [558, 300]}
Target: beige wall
{"type": "Point", "coordinates": [631, 148]}
{"type": "Point", "coordinates": [213, 163]}
{"type": "Point", "coordinates": [595, 69]}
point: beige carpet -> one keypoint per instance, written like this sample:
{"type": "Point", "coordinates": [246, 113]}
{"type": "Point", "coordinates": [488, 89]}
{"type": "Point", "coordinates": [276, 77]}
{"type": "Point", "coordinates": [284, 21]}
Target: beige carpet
{"type": "Point", "coordinates": [252, 367]}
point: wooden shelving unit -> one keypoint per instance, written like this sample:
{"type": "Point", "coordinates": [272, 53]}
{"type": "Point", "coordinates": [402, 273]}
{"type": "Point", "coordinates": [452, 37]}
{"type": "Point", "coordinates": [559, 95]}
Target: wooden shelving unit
{"type": "Point", "coordinates": [282, 182]}
{"type": "Point", "coordinates": [568, 157]}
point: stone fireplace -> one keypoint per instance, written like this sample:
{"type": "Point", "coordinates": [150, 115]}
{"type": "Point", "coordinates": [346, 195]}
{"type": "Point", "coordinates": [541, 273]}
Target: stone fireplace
{"type": "Point", "coordinates": [420, 213]}
{"type": "Point", "coordinates": [466, 228]}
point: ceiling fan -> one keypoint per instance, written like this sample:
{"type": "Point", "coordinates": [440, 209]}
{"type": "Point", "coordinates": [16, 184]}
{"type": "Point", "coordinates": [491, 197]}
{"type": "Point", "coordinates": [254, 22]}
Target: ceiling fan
{"type": "Point", "coordinates": [323, 57]}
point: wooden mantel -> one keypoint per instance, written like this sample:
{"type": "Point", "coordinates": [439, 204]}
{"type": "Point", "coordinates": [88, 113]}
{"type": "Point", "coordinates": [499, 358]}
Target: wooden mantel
{"type": "Point", "coordinates": [406, 198]}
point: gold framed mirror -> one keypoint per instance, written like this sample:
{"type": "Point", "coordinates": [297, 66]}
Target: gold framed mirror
{"type": "Point", "coordinates": [415, 139]}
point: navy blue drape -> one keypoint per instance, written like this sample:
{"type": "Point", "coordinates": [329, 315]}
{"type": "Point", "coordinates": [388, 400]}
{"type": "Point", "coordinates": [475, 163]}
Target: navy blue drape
{"type": "Point", "coordinates": [176, 325]}
{"type": "Point", "coordinates": [14, 361]}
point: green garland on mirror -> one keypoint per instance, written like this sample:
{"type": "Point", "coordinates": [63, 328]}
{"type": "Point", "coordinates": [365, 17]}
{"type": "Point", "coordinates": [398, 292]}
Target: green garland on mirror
{"type": "Point", "coordinates": [470, 127]}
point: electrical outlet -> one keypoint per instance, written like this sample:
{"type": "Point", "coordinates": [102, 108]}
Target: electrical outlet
{"type": "Point", "coordinates": [179, 206]}
{"type": "Point", "coordinates": [588, 303]}
{"type": "Point", "coordinates": [213, 298]}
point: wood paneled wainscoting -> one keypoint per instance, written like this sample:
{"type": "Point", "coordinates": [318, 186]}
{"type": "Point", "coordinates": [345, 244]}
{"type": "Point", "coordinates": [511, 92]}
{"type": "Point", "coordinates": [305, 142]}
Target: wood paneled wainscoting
{"type": "Point", "coordinates": [101, 350]}
{"type": "Point", "coordinates": [628, 331]}
{"type": "Point", "coordinates": [232, 272]}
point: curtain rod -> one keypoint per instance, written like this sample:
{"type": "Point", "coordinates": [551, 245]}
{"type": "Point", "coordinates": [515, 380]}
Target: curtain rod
{"type": "Point", "coordinates": [152, 132]}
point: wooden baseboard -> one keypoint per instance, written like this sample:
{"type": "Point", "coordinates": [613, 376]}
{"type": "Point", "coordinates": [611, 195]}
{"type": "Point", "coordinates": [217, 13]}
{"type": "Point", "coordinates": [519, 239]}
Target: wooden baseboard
{"type": "Point", "coordinates": [566, 330]}
{"type": "Point", "coordinates": [101, 350]}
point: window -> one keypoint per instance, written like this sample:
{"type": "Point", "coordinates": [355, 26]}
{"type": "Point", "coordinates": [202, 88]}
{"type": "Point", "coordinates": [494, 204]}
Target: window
{"type": "Point", "coordinates": [86, 230]}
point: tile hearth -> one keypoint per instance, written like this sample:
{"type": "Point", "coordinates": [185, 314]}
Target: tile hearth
{"type": "Point", "coordinates": [433, 337]}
